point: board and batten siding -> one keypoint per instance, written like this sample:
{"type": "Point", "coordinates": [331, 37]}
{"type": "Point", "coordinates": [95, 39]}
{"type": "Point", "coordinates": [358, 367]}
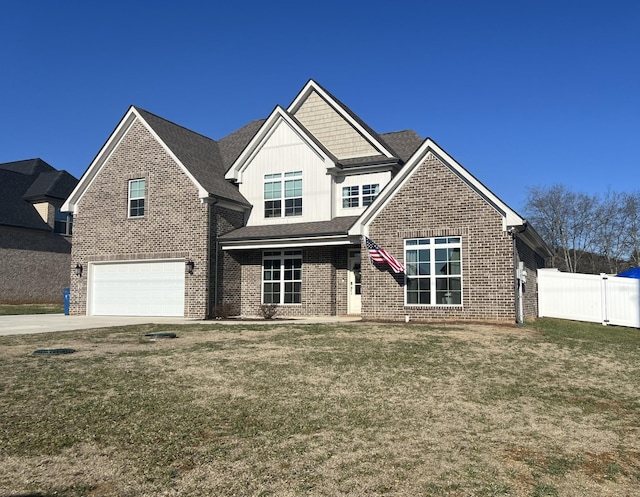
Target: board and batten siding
{"type": "Point", "coordinates": [332, 130]}
{"type": "Point", "coordinates": [380, 178]}
{"type": "Point", "coordinates": [285, 151]}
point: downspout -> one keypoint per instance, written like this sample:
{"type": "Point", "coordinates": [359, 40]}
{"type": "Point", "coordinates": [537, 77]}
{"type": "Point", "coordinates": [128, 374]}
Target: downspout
{"type": "Point", "coordinates": [212, 206]}
{"type": "Point", "coordinates": [519, 307]}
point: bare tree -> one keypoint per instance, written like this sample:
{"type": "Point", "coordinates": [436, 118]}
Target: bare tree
{"type": "Point", "coordinates": [631, 208]}
{"type": "Point", "coordinates": [566, 220]}
{"type": "Point", "coordinates": [612, 241]}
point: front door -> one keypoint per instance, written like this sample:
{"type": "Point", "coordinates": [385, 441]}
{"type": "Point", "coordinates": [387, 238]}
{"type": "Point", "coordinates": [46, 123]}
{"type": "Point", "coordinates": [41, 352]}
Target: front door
{"type": "Point", "coordinates": [354, 282]}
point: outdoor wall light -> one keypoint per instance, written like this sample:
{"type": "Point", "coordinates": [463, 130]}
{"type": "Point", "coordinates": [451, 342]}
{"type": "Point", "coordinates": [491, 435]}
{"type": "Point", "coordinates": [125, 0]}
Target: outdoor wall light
{"type": "Point", "coordinates": [79, 270]}
{"type": "Point", "coordinates": [190, 265]}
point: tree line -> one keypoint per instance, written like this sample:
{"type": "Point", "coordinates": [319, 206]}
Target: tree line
{"type": "Point", "coordinates": [587, 233]}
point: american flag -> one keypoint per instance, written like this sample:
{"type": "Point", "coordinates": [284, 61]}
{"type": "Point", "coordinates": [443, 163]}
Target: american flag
{"type": "Point", "coordinates": [381, 256]}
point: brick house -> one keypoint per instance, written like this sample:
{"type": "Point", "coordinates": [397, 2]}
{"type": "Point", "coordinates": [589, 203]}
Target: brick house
{"type": "Point", "coordinates": [169, 222]}
{"type": "Point", "coordinates": [35, 236]}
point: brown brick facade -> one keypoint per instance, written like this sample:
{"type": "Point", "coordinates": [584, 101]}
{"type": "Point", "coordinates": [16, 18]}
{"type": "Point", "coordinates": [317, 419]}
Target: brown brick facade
{"type": "Point", "coordinates": [435, 202]}
{"type": "Point", "coordinates": [174, 225]}
{"type": "Point", "coordinates": [324, 282]}
{"type": "Point", "coordinates": [35, 266]}
{"type": "Point", "coordinates": [226, 272]}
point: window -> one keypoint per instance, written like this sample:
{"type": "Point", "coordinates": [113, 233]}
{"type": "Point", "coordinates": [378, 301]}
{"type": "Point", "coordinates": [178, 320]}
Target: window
{"type": "Point", "coordinates": [351, 195]}
{"type": "Point", "coordinates": [433, 271]}
{"type": "Point", "coordinates": [275, 196]}
{"type": "Point", "coordinates": [136, 197]}
{"type": "Point", "coordinates": [369, 192]}
{"type": "Point", "coordinates": [63, 222]}
{"type": "Point", "coordinates": [282, 277]}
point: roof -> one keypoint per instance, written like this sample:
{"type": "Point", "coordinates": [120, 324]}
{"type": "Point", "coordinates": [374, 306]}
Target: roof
{"type": "Point", "coordinates": [55, 185]}
{"type": "Point", "coordinates": [336, 226]}
{"type": "Point", "coordinates": [199, 154]}
{"type": "Point", "coordinates": [29, 167]}
{"type": "Point", "coordinates": [403, 143]}
{"type": "Point", "coordinates": [27, 181]}
{"type": "Point", "coordinates": [232, 145]}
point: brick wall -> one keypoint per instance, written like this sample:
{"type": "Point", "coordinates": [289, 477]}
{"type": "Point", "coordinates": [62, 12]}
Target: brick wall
{"type": "Point", "coordinates": [174, 225]}
{"type": "Point", "coordinates": [226, 273]}
{"type": "Point", "coordinates": [435, 202]}
{"type": "Point", "coordinates": [532, 262]}
{"type": "Point", "coordinates": [34, 266]}
{"type": "Point", "coordinates": [324, 282]}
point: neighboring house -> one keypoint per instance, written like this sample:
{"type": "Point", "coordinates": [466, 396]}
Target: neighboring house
{"type": "Point", "coordinates": [169, 222]}
{"type": "Point", "coordinates": [35, 236]}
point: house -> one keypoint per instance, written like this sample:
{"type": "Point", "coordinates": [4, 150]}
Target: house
{"type": "Point", "coordinates": [35, 236]}
{"type": "Point", "coordinates": [169, 222]}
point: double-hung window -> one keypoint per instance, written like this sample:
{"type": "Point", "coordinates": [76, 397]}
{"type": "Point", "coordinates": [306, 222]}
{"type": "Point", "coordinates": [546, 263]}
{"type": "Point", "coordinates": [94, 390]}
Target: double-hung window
{"type": "Point", "coordinates": [282, 189]}
{"type": "Point", "coordinates": [354, 196]}
{"type": "Point", "coordinates": [350, 196]}
{"type": "Point", "coordinates": [136, 197]}
{"type": "Point", "coordinates": [282, 277]}
{"type": "Point", "coordinates": [369, 193]}
{"type": "Point", "coordinates": [433, 271]}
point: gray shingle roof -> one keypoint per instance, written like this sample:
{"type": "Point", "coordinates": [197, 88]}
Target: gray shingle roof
{"type": "Point", "coordinates": [403, 143]}
{"type": "Point", "coordinates": [199, 154]}
{"type": "Point", "coordinates": [30, 180]}
{"type": "Point", "coordinates": [337, 226]}
{"type": "Point", "coordinates": [55, 184]}
{"type": "Point", "coordinates": [231, 146]}
{"type": "Point", "coordinates": [28, 166]}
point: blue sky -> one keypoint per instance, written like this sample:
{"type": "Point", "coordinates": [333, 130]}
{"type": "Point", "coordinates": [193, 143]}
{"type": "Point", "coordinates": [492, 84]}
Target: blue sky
{"type": "Point", "coordinates": [521, 93]}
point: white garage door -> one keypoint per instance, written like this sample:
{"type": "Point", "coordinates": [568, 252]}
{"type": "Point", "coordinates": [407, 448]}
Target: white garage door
{"type": "Point", "coordinates": [142, 288]}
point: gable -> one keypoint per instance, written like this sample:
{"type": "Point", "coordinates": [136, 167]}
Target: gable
{"type": "Point", "coordinates": [197, 156]}
{"type": "Point", "coordinates": [332, 130]}
{"type": "Point", "coordinates": [285, 149]}
{"type": "Point", "coordinates": [429, 151]}
{"type": "Point", "coordinates": [295, 134]}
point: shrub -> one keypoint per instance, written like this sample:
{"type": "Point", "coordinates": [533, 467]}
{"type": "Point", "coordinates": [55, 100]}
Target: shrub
{"type": "Point", "coordinates": [268, 310]}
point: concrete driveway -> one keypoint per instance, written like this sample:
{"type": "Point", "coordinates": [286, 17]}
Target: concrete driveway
{"type": "Point", "coordinates": [45, 323]}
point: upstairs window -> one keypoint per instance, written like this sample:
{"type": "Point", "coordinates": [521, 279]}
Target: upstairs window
{"type": "Point", "coordinates": [433, 271]}
{"type": "Point", "coordinates": [277, 195]}
{"type": "Point", "coordinates": [354, 196]}
{"type": "Point", "coordinates": [63, 222]}
{"type": "Point", "coordinates": [369, 193]}
{"type": "Point", "coordinates": [350, 196]}
{"type": "Point", "coordinates": [136, 197]}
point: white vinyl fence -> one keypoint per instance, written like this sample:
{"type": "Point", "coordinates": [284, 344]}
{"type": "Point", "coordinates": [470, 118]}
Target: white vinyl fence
{"type": "Point", "coordinates": [589, 297]}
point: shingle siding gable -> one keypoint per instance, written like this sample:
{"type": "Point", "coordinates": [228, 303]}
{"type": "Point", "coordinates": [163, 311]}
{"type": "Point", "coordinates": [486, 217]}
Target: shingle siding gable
{"type": "Point", "coordinates": [332, 130]}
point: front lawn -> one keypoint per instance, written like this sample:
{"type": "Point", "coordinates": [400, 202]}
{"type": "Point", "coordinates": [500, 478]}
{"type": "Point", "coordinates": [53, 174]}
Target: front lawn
{"type": "Point", "coordinates": [13, 309]}
{"type": "Point", "coordinates": [284, 409]}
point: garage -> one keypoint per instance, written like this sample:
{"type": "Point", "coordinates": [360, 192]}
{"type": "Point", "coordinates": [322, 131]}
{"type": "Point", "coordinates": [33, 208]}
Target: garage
{"type": "Point", "coordinates": [138, 288]}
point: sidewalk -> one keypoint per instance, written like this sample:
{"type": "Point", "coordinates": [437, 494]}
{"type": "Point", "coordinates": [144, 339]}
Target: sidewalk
{"type": "Point", "coordinates": [46, 323]}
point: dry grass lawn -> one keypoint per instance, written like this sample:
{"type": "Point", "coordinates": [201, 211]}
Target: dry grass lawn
{"type": "Point", "coordinates": [284, 409]}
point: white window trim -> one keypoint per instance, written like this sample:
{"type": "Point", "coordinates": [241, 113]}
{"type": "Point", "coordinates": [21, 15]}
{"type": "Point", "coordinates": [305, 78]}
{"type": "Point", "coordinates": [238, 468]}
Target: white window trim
{"type": "Point", "coordinates": [280, 255]}
{"type": "Point", "coordinates": [432, 246]}
{"type": "Point", "coordinates": [281, 178]}
{"type": "Point", "coordinates": [360, 195]}
{"type": "Point", "coordinates": [130, 198]}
